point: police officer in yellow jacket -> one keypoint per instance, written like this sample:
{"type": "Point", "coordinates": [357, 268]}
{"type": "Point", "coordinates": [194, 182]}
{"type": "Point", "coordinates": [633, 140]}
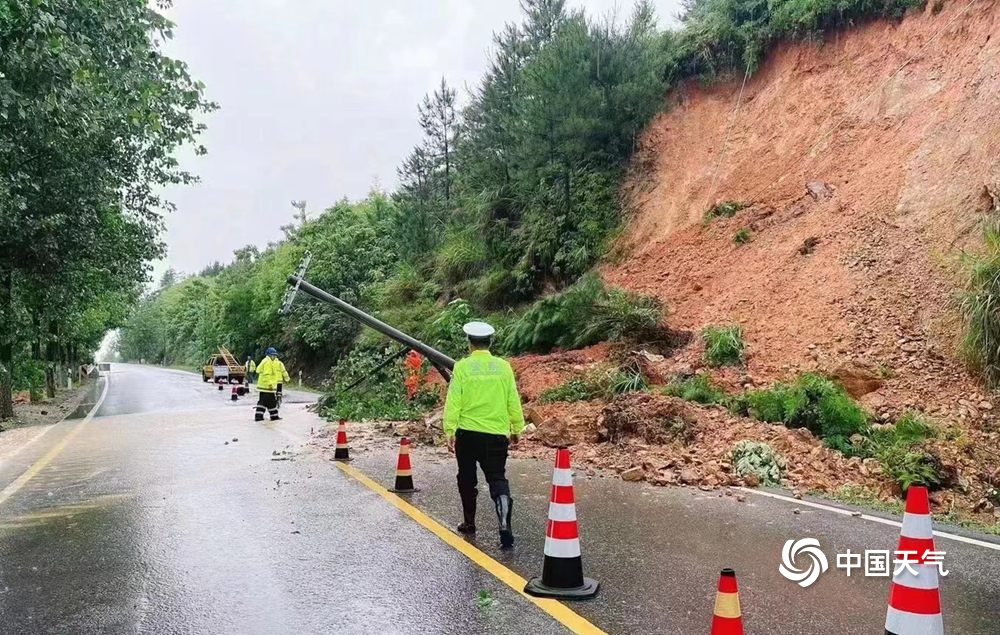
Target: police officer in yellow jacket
{"type": "Point", "coordinates": [482, 419]}
{"type": "Point", "coordinates": [271, 374]}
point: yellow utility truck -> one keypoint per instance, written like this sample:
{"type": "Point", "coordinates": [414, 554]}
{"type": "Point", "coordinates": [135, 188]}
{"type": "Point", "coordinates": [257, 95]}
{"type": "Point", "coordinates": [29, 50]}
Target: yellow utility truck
{"type": "Point", "coordinates": [223, 367]}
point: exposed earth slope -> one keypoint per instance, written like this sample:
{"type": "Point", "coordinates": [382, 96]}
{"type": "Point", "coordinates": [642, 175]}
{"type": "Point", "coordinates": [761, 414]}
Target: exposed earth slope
{"type": "Point", "coordinates": [867, 164]}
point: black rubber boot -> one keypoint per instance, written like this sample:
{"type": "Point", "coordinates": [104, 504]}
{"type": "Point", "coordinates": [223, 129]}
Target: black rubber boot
{"type": "Point", "coordinates": [505, 509]}
{"type": "Point", "coordinates": [468, 525]}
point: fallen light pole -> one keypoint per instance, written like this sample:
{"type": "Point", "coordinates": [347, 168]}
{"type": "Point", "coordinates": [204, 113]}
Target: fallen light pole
{"type": "Point", "coordinates": [297, 282]}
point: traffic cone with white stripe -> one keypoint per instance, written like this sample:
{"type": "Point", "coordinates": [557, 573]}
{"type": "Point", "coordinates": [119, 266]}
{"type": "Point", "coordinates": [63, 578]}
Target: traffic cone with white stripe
{"type": "Point", "coordinates": [234, 396]}
{"type": "Point", "coordinates": [914, 600]}
{"type": "Point", "coordinates": [727, 618]}
{"type": "Point", "coordinates": [342, 452]}
{"type": "Point", "coordinates": [404, 474]}
{"type": "Point", "coordinates": [562, 570]}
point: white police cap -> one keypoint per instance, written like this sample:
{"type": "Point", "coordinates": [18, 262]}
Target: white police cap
{"type": "Point", "coordinates": [478, 330]}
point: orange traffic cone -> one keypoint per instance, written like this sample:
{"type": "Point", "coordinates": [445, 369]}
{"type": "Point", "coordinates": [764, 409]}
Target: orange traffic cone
{"type": "Point", "coordinates": [727, 619]}
{"type": "Point", "coordinates": [404, 475]}
{"type": "Point", "coordinates": [342, 453]}
{"type": "Point", "coordinates": [234, 396]}
{"type": "Point", "coordinates": [562, 568]}
{"type": "Point", "coordinates": [914, 599]}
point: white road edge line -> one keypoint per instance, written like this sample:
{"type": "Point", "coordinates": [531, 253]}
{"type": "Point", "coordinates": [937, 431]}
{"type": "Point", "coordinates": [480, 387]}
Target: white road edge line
{"type": "Point", "coordinates": [874, 519]}
{"type": "Point", "coordinates": [49, 427]}
{"type": "Point", "coordinates": [30, 441]}
{"type": "Point", "coordinates": [38, 465]}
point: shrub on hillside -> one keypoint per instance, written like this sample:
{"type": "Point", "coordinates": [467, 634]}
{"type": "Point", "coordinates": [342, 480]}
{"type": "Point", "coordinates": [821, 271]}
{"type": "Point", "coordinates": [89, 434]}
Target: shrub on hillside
{"type": "Point", "coordinates": [724, 345]}
{"type": "Point", "coordinates": [760, 460]}
{"type": "Point", "coordinates": [721, 37]}
{"type": "Point", "coordinates": [406, 285]}
{"type": "Point", "coordinates": [980, 307]}
{"type": "Point", "coordinates": [726, 209]}
{"type": "Point", "coordinates": [602, 382]}
{"type": "Point", "coordinates": [461, 257]}
{"type": "Point", "coordinates": [813, 402]}
{"type": "Point", "coordinates": [897, 448]}
{"type": "Point", "coordinates": [622, 315]}
{"type": "Point", "coordinates": [446, 333]}
{"type": "Point", "coordinates": [742, 236]}
{"type": "Point", "coordinates": [494, 289]}
{"type": "Point", "coordinates": [381, 393]}
{"type": "Point", "coordinates": [583, 314]}
{"type": "Point", "coordinates": [699, 389]}
{"type": "Point", "coordinates": [908, 468]}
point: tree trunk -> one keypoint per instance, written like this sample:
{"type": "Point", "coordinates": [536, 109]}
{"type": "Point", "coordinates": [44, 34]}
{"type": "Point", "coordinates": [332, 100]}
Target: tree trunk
{"type": "Point", "coordinates": [6, 346]}
{"type": "Point", "coordinates": [51, 355]}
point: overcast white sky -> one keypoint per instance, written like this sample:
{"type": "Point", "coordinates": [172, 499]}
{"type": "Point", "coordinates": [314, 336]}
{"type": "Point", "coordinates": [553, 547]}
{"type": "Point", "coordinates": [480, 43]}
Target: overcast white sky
{"type": "Point", "coordinates": [318, 101]}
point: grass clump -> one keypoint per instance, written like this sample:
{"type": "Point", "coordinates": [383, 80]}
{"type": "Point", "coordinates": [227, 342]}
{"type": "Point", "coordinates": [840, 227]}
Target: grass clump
{"type": "Point", "coordinates": [622, 315]}
{"type": "Point", "coordinates": [743, 236]}
{"type": "Point", "coordinates": [725, 209]}
{"type": "Point", "coordinates": [698, 389]}
{"type": "Point", "coordinates": [583, 314]}
{"type": "Point", "coordinates": [484, 599]}
{"type": "Point", "coordinates": [980, 308]}
{"type": "Point", "coordinates": [812, 402]}
{"type": "Point", "coordinates": [760, 460]}
{"type": "Point", "coordinates": [600, 383]}
{"type": "Point", "coordinates": [897, 448]}
{"type": "Point", "coordinates": [910, 468]}
{"type": "Point", "coordinates": [724, 345]}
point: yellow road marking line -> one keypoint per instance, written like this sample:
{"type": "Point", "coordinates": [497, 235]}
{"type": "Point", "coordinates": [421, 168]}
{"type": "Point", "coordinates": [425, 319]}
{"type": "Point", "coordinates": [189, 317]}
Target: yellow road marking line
{"type": "Point", "coordinates": [29, 442]}
{"type": "Point", "coordinates": [559, 611]}
{"type": "Point", "coordinates": [53, 452]}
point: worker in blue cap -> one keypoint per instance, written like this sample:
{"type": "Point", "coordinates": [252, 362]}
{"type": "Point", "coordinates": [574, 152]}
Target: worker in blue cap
{"type": "Point", "coordinates": [271, 374]}
{"type": "Point", "coordinates": [482, 420]}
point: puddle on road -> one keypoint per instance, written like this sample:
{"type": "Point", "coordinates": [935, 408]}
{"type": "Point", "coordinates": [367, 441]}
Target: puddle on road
{"type": "Point", "coordinates": [47, 515]}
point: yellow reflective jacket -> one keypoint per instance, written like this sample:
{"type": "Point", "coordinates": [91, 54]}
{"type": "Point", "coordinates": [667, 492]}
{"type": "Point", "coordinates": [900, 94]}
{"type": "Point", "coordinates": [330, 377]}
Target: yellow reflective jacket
{"type": "Point", "coordinates": [482, 397]}
{"type": "Point", "coordinates": [252, 366]}
{"type": "Point", "coordinates": [270, 373]}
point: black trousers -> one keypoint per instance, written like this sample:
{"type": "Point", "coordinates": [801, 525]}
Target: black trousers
{"type": "Point", "coordinates": [267, 401]}
{"type": "Point", "coordinates": [489, 451]}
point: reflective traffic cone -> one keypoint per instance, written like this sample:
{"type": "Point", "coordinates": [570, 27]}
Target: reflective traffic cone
{"type": "Point", "coordinates": [341, 453]}
{"type": "Point", "coordinates": [914, 600]}
{"type": "Point", "coordinates": [727, 619]}
{"type": "Point", "coordinates": [562, 568]}
{"type": "Point", "coordinates": [234, 396]}
{"type": "Point", "coordinates": [404, 475]}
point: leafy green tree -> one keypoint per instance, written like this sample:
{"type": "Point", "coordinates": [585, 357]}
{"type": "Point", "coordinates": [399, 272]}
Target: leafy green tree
{"type": "Point", "coordinates": [91, 112]}
{"type": "Point", "coordinates": [440, 125]}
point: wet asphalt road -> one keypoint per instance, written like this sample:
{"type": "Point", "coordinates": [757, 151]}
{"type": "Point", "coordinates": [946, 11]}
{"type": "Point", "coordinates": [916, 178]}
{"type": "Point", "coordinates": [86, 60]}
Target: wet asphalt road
{"type": "Point", "coordinates": [143, 520]}
{"type": "Point", "coordinates": [657, 553]}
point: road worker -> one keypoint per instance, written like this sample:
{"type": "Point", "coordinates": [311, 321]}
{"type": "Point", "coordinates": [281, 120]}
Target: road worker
{"type": "Point", "coordinates": [414, 373]}
{"type": "Point", "coordinates": [251, 368]}
{"type": "Point", "coordinates": [271, 374]}
{"type": "Point", "coordinates": [482, 419]}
